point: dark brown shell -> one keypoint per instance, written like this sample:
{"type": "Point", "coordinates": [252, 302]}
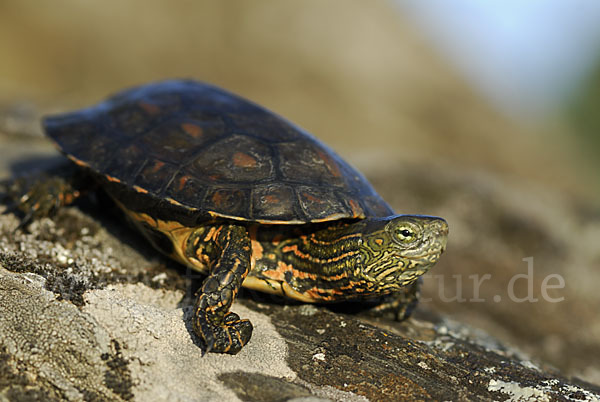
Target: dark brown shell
{"type": "Point", "coordinates": [189, 151]}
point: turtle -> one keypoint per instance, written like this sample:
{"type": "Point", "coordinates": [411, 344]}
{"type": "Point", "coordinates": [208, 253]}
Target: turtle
{"type": "Point", "coordinates": [233, 190]}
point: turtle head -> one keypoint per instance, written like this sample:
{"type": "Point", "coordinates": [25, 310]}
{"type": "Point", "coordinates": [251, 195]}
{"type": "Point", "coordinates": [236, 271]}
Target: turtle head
{"type": "Point", "coordinates": [396, 250]}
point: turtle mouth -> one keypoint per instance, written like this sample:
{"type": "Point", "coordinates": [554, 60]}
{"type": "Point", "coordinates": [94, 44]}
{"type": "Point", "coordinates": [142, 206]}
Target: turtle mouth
{"type": "Point", "coordinates": [426, 256]}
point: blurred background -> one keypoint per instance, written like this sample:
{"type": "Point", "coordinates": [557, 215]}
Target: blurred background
{"type": "Point", "coordinates": [484, 113]}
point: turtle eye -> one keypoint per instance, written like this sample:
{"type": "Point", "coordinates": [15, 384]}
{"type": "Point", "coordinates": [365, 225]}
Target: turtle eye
{"type": "Point", "coordinates": [405, 234]}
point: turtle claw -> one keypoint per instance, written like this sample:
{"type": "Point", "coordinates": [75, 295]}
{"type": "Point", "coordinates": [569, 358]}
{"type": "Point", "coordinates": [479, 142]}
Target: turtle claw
{"type": "Point", "coordinates": [399, 305]}
{"type": "Point", "coordinates": [233, 334]}
{"type": "Point", "coordinates": [209, 342]}
{"type": "Point", "coordinates": [229, 337]}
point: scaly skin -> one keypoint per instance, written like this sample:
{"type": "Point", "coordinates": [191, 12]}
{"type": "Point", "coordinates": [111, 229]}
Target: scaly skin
{"type": "Point", "coordinates": [226, 249]}
{"type": "Point", "coordinates": [366, 259]}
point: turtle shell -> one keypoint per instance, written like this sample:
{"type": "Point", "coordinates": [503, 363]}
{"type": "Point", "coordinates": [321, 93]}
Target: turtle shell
{"type": "Point", "coordinates": [189, 151]}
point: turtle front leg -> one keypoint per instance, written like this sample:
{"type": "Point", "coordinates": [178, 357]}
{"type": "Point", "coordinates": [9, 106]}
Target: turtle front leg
{"type": "Point", "coordinates": [227, 247]}
{"type": "Point", "coordinates": [399, 304]}
{"type": "Point", "coordinates": [43, 194]}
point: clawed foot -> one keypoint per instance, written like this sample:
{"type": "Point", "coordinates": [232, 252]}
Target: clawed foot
{"type": "Point", "coordinates": [398, 309]}
{"type": "Point", "coordinates": [228, 247]}
{"type": "Point", "coordinates": [229, 337]}
{"type": "Point", "coordinates": [36, 197]}
{"type": "Point", "coordinates": [401, 304]}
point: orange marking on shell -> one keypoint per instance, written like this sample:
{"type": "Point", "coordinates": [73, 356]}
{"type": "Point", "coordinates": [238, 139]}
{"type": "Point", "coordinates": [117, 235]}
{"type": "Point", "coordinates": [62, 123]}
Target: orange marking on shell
{"type": "Point", "coordinates": [379, 241]}
{"type": "Point", "coordinates": [174, 202]}
{"type": "Point", "coordinates": [243, 160]}
{"type": "Point", "coordinates": [356, 209]}
{"type": "Point", "coordinates": [157, 166]}
{"type": "Point", "coordinates": [219, 198]}
{"type": "Point", "coordinates": [140, 217]}
{"type": "Point", "coordinates": [270, 198]}
{"type": "Point", "coordinates": [331, 165]}
{"type": "Point", "coordinates": [311, 198]}
{"type": "Point", "coordinates": [78, 162]}
{"type": "Point", "coordinates": [149, 108]}
{"type": "Point", "coordinates": [335, 217]}
{"type": "Point", "coordinates": [192, 129]}
{"type": "Point", "coordinates": [140, 190]}
{"type": "Point", "coordinates": [113, 179]}
{"type": "Point", "coordinates": [182, 181]}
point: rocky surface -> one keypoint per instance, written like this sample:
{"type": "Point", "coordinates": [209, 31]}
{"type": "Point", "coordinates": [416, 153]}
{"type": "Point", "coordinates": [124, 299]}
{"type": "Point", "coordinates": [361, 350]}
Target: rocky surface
{"type": "Point", "coordinates": [91, 312]}
{"type": "Point", "coordinates": [76, 325]}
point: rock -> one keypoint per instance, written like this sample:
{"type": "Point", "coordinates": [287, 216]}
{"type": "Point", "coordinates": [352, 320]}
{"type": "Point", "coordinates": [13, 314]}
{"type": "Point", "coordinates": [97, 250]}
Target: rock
{"type": "Point", "coordinates": [90, 312]}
